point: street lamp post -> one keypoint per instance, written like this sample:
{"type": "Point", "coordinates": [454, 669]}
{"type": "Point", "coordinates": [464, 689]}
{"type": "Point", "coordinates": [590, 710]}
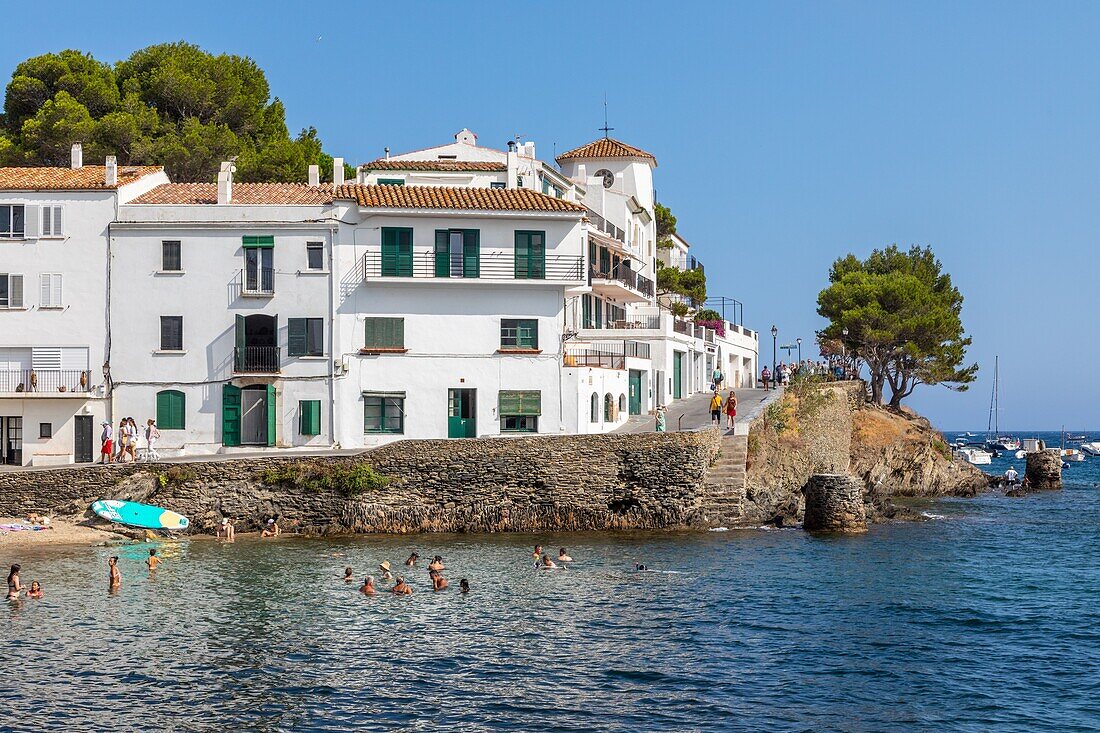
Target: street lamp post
{"type": "Point", "coordinates": [775, 334]}
{"type": "Point", "coordinates": [844, 351]}
{"type": "Point", "coordinates": [799, 342]}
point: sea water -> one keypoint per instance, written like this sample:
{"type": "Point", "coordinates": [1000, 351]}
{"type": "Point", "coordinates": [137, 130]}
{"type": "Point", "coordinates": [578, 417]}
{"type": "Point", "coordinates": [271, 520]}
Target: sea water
{"type": "Point", "coordinates": [986, 617]}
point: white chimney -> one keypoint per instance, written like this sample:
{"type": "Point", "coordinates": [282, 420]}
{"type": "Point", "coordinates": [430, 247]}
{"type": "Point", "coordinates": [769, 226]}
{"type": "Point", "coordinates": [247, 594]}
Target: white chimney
{"type": "Point", "coordinates": [78, 156]}
{"type": "Point", "coordinates": [225, 182]}
{"type": "Point", "coordinates": [513, 169]}
{"type": "Point", "coordinates": [315, 175]}
{"type": "Point", "coordinates": [465, 137]}
{"type": "Point", "coordinates": [110, 172]}
{"type": "Point", "coordinates": [337, 172]}
{"type": "Point", "coordinates": [530, 146]}
{"type": "Point", "coordinates": [581, 174]}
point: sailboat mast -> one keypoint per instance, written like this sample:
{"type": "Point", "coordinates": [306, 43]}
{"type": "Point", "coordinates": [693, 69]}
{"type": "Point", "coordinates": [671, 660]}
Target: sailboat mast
{"type": "Point", "coordinates": [997, 394]}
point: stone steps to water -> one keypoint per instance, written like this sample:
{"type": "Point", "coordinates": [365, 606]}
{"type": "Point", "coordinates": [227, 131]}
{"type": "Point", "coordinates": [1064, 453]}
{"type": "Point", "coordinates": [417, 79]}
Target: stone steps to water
{"type": "Point", "coordinates": [724, 487]}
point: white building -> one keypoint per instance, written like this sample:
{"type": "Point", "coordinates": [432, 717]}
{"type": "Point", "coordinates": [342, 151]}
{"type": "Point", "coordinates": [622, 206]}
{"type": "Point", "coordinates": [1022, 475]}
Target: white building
{"type": "Point", "coordinates": [54, 339]}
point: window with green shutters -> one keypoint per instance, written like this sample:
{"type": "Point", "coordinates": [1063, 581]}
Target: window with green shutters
{"type": "Point", "coordinates": [384, 333]}
{"type": "Point", "coordinates": [383, 413]}
{"type": "Point", "coordinates": [171, 410]}
{"type": "Point", "coordinates": [305, 337]}
{"type": "Point", "coordinates": [391, 181]}
{"type": "Point", "coordinates": [519, 333]}
{"type": "Point", "coordinates": [530, 255]}
{"type": "Point", "coordinates": [309, 417]}
{"type": "Point", "coordinates": [457, 253]}
{"type": "Point", "coordinates": [519, 410]}
{"type": "Point", "coordinates": [397, 252]}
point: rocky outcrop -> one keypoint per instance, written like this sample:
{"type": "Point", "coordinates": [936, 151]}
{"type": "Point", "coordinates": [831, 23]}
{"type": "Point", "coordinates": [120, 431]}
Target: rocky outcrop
{"type": "Point", "coordinates": [1044, 470]}
{"type": "Point", "coordinates": [834, 503]}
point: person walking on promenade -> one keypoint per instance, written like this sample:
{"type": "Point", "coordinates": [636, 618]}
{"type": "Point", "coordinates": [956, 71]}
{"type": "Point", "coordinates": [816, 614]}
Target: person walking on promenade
{"type": "Point", "coordinates": [716, 409]}
{"type": "Point", "coordinates": [152, 435]}
{"type": "Point", "coordinates": [766, 378]}
{"type": "Point", "coordinates": [731, 410]}
{"type": "Point", "coordinates": [134, 437]}
{"type": "Point", "coordinates": [660, 419]}
{"type": "Point", "coordinates": [717, 378]}
{"type": "Point", "coordinates": [106, 441]}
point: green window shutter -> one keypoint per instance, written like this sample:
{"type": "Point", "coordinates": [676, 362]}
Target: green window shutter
{"type": "Point", "coordinates": [384, 333]}
{"type": "Point", "coordinates": [231, 415]}
{"type": "Point", "coordinates": [396, 252]}
{"type": "Point", "coordinates": [391, 181]}
{"type": "Point", "coordinates": [164, 409]}
{"type": "Point", "coordinates": [471, 253]}
{"type": "Point", "coordinates": [405, 253]}
{"type": "Point", "coordinates": [271, 414]}
{"type": "Point", "coordinates": [520, 402]}
{"type": "Point", "coordinates": [523, 248]}
{"type": "Point", "coordinates": [265, 241]}
{"type": "Point", "coordinates": [530, 255]}
{"type": "Point", "coordinates": [171, 410]}
{"type": "Point", "coordinates": [296, 337]}
{"type": "Point", "coordinates": [309, 420]}
{"type": "Point", "coordinates": [442, 253]}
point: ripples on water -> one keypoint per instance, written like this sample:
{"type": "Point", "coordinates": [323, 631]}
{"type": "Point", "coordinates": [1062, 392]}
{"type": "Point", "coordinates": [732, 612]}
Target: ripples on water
{"type": "Point", "coordinates": [984, 620]}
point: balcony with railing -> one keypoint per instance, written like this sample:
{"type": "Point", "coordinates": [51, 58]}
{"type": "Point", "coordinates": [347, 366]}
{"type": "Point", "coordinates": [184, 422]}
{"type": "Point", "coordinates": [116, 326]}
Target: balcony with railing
{"type": "Point", "coordinates": [606, 227]}
{"type": "Point", "coordinates": [604, 354]}
{"type": "Point", "coordinates": [618, 278]}
{"type": "Point", "coordinates": [256, 359]}
{"type": "Point", "coordinates": [45, 381]}
{"type": "Point", "coordinates": [501, 265]}
{"type": "Point", "coordinates": [649, 323]}
{"type": "Point", "coordinates": [258, 282]}
{"type": "Point", "coordinates": [683, 262]}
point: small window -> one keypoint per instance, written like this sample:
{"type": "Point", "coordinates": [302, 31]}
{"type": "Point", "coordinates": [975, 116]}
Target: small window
{"type": "Point", "coordinates": [519, 424]}
{"type": "Point", "coordinates": [11, 291]}
{"type": "Point", "coordinates": [51, 221]}
{"type": "Point", "coordinates": [391, 182]}
{"type": "Point", "coordinates": [170, 256]}
{"type": "Point", "coordinates": [305, 337]}
{"type": "Point", "coordinates": [315, 255]}
{"type": "Point", "coordinates": [309, 417]}
{"type": "Point", "coordinates": [11, 222]}
{"type": "Point", "coordinates": [609, 408]}
{"type": "Point", "coordinates": [171, 412]}
{"type": "Point", "coordinates": [622, 403]}
{"type": "Point", "coordinates": [384, 333]}
{"type": "Point", "coordinates": [519, 410]}
{"type": "Point", "coordinates": [45, 430]}
{"type": "Point", "coordinates": [383, 414]}
{"type": "Point", "coordinates": [50, 290]}
{"type": "Point", "coordinates": [519, 333]}
{"type": "Point", "coordinates": [498, 184]}
{"type": "Point", "coordinates": [595, 409]}
{"type": "Point", "coordinates": [171, 333]}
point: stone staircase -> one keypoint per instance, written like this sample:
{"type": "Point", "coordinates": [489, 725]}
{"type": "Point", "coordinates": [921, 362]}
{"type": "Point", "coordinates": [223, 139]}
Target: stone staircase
{"type": "Point", "coordinates": [723, 497]}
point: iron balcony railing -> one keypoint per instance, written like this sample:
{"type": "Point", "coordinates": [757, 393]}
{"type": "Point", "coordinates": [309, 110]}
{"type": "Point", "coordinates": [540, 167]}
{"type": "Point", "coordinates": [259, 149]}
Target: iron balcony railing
{"type": "Point", "coordinates": [486, 266]}
{"type": "Point", "coordinates": [605, 354]}
{"type": "Point", "coordinates": [650, 322]}
{"type": "Point", "coordinates": [252, 359]}
{"type": "Point", "coordinates": [685, 263]}
{"type": "Point", "coordinates": [259, 280]}
{"type": "Point", "coordinates": [45, 380]}
{"type": "Point", "coordinates": [634, 281]}
{"type": "Point", "coordinates": [606, 227]}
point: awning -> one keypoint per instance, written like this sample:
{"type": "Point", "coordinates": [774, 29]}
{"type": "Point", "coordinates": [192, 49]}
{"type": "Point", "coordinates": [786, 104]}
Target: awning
{"type": "Point", "coordinates": [262, 241]}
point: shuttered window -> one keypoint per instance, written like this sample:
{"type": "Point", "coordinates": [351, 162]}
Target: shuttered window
{"type": "Point", "coordinates": [305, 337]}
{"type": "Point", "coordinates": [520, 402]}
{"type": "Point", "coordinates": [171, 256]}
{"type": "Point", "coordinates": [391, 182]}
{"type": "Point", "coordinates": [309, 417]}
{"type": "Point", "coordinates": [171, 410]}
{"type": "Point", "coordinates": [384, 333]}
{"type": "Point", "coordinates": [171, 333]}
{"type": "Point", "coordinates": [51, 222]}
{"type": "Point", "coordinates": [11, 291]}
{"type": "Point", "coordinates": [50, 290]}
{"type": "Point", "coordinates": [530, 255]}
{"type": "Point", "coordinates": [519, 333]}
{"type": "Point", "coordinates": [397, 252]}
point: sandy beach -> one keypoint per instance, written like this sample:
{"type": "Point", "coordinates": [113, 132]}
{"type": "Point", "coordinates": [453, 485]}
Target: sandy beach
{"type": "Point", "coordinates": [62, 531]}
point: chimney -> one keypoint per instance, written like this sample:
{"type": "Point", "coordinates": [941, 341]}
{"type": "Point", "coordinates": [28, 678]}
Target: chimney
{"type": "Point", "coordinates": [315, 175]}
{"type": "Point", "coordinates": [465, 137]}
{"type": "Point", "coordinates": [225, 183]}
{"type": "Point", "coordinates": [78, 156]}
{"type": "Point", "coordinates": [512, 167]}
{"type": "Point", "coordinates": [581, 175]}
{"type": "Point", "coordinates": [110, 172]}
{"type": "Point", "coordinates": [530, 148]}
{"type": "Point", "coordinates": [387, 152]}
{"type": "Point", "coordinates": [337, 172]}
{"type": "Point", "coordinates": [511, 146]}
{"type": "Point", "coordinates": [359, 177]}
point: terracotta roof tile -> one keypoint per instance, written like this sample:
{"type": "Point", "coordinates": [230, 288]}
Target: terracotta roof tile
{"type": "Point", "coordinates": [606, 147]}
{"type": "Point", "coordinates": [441, 197]}
{"type": "Point", "coordinates": [88, 178]}
{"type": "Point", "coordinates": [388, 164]}
{"type": "Point", "coordinates": [244, 194]}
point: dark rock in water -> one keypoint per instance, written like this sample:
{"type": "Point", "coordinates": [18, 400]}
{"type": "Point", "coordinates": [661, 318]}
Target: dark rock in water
{"type": "Point", "coordinates": [1016, 490]}
{"type": "Point", "coordinates": [834, 503]}
{"type": "Point", "coordinates": [1044, 470]}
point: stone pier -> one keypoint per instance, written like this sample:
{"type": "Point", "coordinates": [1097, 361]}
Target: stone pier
{"type": "Point", "coordinates": [834, 503]}
{"type": "Point", "coordinates": [1044, 469]}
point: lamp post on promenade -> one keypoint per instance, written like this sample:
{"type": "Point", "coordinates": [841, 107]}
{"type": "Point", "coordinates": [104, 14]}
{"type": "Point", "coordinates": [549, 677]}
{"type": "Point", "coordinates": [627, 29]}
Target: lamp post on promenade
{"type": "Point", "coordinates": [799, 342]}
{"type": "Point", "coordinates": [844, 350]}
{"type": "Point", "coordinates": [775, 333]}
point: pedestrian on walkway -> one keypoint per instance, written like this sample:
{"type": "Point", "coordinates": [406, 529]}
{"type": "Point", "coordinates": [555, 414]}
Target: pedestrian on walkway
{"type": "Point", "coordinates": [152, 435]}
{"type": "Point", "coordinates": [716, 408]}
{"type": "Point", "coordinates": [718, 378]}
{"type": "Point", "coordinates": [766, 378]}
{"type": "Point", "coordinates": [660, 419]}
{"type": "Point", "coordinates": [106, 450]}
{"type": "Point", "coordinates": [731, 410]}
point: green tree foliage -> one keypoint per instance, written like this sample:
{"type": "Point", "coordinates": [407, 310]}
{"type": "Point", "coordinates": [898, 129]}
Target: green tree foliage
{"type": "Point", "coordinates": [171, 104]}
{"type": "Point", "coordinates": [666, 226]}
{"type": "Point", "coordinates": [903, 317]}
{"type": "Point", "coordinates": [690, 284]}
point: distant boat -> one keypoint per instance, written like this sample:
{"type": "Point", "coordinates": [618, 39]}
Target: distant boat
{"type": "Point", "coordinates": [1076, 438]}
{"type": "Point", "coordinates": [1093, 448]}
{"type": "Point", "coordinates": [975, 456]}
{"type": "Point", "coordinates": [996, 441]}
{"type": "Point", "coordinates": [1072, 455]}
{"type": "Point", "coordinates": [1021, 454]}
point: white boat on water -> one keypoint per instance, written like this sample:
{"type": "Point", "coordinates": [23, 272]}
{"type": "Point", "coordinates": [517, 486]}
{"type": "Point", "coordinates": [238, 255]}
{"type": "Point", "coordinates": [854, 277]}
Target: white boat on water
{"type": "Point", "coordinates": [1072, 455]}
{"type": "Point", "coordinates": [975, 456]}
{"type": "Point", "coordinates": [1092, 448]}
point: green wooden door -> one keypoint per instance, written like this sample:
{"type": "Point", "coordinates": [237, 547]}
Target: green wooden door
{"type": "Point", "coordinates": [635, 392]}
{"type": "Point", "coordinates": [461, 413]}
{"type": "Point", "coordinates": [231, 415]}
{"type": "Point", "coordinates": [442, 253]}
{"type": "Point", "coordinates": [530, 255]}
{"type": "Point", "coordinates": [397, 252]}
{"type": "Point", "coordinates": [677, 374]}
{"type": "Point", "coordinates": [271, 414]}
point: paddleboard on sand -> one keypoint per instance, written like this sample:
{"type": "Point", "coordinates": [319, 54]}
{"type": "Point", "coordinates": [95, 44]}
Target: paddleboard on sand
{"type": "Point", "coordinates": [134, 514]}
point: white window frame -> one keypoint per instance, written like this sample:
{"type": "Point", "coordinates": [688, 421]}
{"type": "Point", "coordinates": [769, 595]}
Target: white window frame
{"type": "Point", "coordinates": [11, 222]}
{"type": "Point", "coordinates": [50, 290]}
{"type": "Point", "coordinates": [11, 304]}
{"type": "Point", "coordinates": [52, 222]}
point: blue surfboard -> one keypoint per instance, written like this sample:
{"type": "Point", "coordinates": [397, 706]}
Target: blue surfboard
{"type": "Point", "coordinates": [133, 514]}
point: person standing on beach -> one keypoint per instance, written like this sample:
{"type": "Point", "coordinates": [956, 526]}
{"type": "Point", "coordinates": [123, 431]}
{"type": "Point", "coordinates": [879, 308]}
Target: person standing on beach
{"type": "Point", "coordinates": [106, 442]}
{"type": "Point", "coordinates": [14, 586]}
{"type": "Point", "coordinates": [115, 579]}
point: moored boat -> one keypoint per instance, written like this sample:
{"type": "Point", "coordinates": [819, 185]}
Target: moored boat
{"type": "Point", "coordinates": [1092, 448]}
{"type": "Point", "coordinates": [974, 456]}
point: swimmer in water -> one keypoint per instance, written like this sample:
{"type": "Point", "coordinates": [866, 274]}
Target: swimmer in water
{"type": "Point", "coordinates": [384, 566]}
{"type": "Point", "coordinates": [402, 588]}
{"type": "Point", "coordinates": [438, 581]}
{"type": "Point", "coordinates": [271, 530]}
{"type": "Point", "coordinates": [437, 563]}
{"type": "Point", "coordinates": [547, 563]}
{"type": "Point", "coordinates": [14, 586]}
{"type": "Point", "coordinates": [347, 574]}
{"type": "Point", "coordinates": [153, 560]}
{"type": "Point", "coordinates": [538, 552]}
{"type": "Point", "coordinates": [640, 568]}
{"type": "Point", "coordinates": [563, 556]}
{"type": "Point", "coordinates": [411, 562]}
{"type": "Point", "coordinates": [35, 591]}
{"type": "Point", "coordinates": [367, 588]}
{"type": "Point", "coordinates": [115, 579]}
{"type": "Point", "coordinates": [463, 586]}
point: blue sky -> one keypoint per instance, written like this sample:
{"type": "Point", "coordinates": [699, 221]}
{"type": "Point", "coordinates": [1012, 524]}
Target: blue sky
{"type": "Point", "coordinates": [787, 134]}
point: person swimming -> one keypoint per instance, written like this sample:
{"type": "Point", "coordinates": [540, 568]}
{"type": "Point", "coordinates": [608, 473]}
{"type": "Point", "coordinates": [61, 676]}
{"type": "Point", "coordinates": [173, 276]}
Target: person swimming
{"type": "Point", "coordinates": [14, 586]}
{"type": "Point", "coordinates": [401, 588]}
{"type": "Point", "coordinates": [538, 552]}
{"type": "Point", "coordinates": [411, 562]}
{"type": "Point", "coordinates": [115, 578]}
{"type": "Point", "coordinates": [367, 588]}
{"type": "Point", "coordinates": [384, 566]}
{"type": "Point", "coordinates": [563, 556]}
{"type": "Point", "coordinates": [438, 581]}
{"type": "Point", "coordinates": [153, 560]}
{"type": "Point", "coordinates": [640, 568]}
{"type": "Point", "coordinates": [436, 563]}
{"type": "Point", "coordinates": [547, 563]}
{"type": "Point", "coordinates": [463, 586]}
{"type": "Point", "coordinates": [347, 574]}
{"type": "Point", "coordinates": [36, 590]}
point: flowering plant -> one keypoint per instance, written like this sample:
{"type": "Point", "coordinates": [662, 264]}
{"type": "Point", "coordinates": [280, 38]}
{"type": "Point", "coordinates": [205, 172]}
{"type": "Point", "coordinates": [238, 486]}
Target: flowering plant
{"type": "Point", "coordinates": [719, 326]}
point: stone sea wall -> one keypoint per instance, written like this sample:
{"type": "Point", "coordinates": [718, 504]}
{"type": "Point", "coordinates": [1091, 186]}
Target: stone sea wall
{"type": "Point", "coordinates": [643, 481]}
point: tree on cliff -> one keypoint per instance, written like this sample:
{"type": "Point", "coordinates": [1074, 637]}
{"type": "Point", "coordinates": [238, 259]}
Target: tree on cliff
{"type": "Point", "coordinates": [903, 317]}
{"type": "Point", "coordinates": [171, 104]}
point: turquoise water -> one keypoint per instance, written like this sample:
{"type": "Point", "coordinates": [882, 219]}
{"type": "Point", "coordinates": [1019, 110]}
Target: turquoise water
{"type": "Point", "coordinates": [985, 618]}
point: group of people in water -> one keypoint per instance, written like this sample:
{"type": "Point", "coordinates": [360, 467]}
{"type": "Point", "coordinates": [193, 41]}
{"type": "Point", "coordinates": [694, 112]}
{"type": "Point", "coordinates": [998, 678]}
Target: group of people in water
{"type": "Point", "coordinates": [401, 586]}
{"type": "Point", "coordinates": [114, 578]}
